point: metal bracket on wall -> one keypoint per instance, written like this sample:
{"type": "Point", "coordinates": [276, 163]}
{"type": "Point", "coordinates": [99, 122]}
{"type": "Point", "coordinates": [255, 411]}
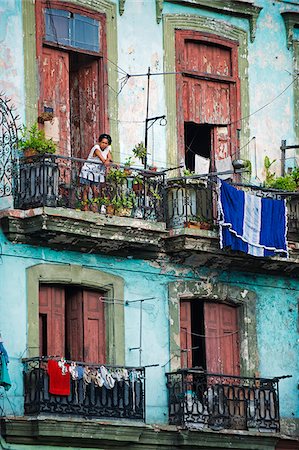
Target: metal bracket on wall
{"type": "Point", "coordinates": [121, 7]}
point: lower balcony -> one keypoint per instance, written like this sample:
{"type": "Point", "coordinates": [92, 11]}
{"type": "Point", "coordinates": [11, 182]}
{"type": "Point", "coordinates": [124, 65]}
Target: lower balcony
{"type": "Point", "coordinates": [109, 393]}
{"type": "Point", "coordinates": [210, 401]}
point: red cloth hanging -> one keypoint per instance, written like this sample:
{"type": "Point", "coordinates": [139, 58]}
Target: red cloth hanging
{"type": "Point", "coordinates": [59, 383]}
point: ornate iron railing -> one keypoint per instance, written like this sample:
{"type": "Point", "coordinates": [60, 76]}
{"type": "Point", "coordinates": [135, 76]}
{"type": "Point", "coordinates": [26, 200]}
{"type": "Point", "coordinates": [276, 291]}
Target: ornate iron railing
{"type": "Point", "coordinates": [201, 400]}
{"type": "Point", "coordinates": [190, 203]}
{"type": "Point", "coordinates": [8, 144]}
{"type": "Point", "coordinates": [50, 180]}
{"type": "Point", "coordinates": [125, 400]}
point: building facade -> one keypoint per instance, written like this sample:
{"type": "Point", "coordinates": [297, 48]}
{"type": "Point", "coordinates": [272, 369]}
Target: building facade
{"type": "Point", "coordinates": [172, 342]}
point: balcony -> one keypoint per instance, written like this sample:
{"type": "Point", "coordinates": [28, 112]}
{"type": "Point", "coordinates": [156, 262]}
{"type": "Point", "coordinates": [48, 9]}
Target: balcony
{"type": "Point", "coordinates": [135, 212]}
{"type": "Point", "coordinates": [198, 400]}
{"type": "Point", "coordinates": [89, 397]}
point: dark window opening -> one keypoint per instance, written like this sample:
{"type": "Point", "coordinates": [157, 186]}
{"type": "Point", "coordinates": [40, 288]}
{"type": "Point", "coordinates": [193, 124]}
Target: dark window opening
{"type": "Point", "coordinates": [83, 80]}
{"type": "Point", "coordinates": [197, 142]}
{"type": "Point", "coordinates": [198, 332]}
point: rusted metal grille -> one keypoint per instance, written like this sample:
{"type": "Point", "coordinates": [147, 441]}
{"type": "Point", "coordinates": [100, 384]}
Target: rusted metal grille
{"type": "Point", "coordinates": [125, 400]}
{"type": "Point", "coordinates": [200, 400]}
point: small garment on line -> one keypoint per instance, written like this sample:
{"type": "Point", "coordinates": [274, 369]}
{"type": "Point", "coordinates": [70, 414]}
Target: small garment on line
{"type": "Point", "coordinates": [59, 382]}
{"type": "Point", "coordinates": [4, 375]}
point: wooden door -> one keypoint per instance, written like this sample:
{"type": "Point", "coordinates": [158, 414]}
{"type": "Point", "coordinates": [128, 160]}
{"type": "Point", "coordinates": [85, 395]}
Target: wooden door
{"type": "Point", "coordinates": [86, 105]}
{"type": "Point", "coordinates": [185, 334]}
{"type": "Point", "coordinates": [54, 95]}
{"type": "Point", "coordinates": [74, 325]}
{"type": "Point", "coordinates": [222, 339]}
{"type": "Point", "coordinates": [207, 84]}
{"type": "Point", "coordinates": [52, 320]}
{"type": "Point", "coordinates": [94, 327]}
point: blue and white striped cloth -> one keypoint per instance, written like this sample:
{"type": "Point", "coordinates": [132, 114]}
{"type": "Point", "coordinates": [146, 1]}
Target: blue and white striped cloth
{"type": "Point", "coordinates": [251, 224]}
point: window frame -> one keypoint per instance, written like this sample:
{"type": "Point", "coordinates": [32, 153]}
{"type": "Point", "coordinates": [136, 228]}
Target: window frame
{"type": "Point", "coordinates": [111, 285]}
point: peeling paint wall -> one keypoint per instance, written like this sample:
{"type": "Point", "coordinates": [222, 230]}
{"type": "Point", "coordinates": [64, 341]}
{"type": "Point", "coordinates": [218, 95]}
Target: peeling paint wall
{"type": "Point", "coordinates": [11, 53]}
{"type": "Point", "coordinates": [276, 317]}
{"type": "Point", "coordinates": [140, 45]}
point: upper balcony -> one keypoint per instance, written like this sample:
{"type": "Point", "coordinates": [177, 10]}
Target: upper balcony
{"type": "Point", "coordinates": [135, 212]}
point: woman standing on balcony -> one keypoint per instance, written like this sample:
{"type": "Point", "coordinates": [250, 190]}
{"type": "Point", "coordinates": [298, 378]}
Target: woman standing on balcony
{"type": "Point", "coordinates": [93, 172]}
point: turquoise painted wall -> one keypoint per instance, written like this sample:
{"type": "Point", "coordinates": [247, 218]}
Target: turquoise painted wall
{"type": "Point", "coordinates": [271, 71]}
{"type": "Point", "coordinates": [11, 53]}
{"type": "Point", "coordinates": [277, 319]}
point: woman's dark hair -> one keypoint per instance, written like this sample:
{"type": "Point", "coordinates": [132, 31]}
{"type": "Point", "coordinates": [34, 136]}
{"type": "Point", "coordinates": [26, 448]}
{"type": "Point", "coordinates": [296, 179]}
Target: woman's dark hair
{"type": "Point", "coordinates": [105, 136]}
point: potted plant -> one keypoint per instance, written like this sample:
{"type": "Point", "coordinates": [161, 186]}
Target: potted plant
{"type": "Point", "coordinates": [127, 166]}
{"type": "Point", "coordinates": [33, 142]}
{"type": "Point", "coordinates": [137, 183]}
{"type": "Point", "coordinates": [117, 176]}
{"type": "Point", "coordinates": [38, 177]}
{"type": "Point", "coordinates": [139, 151]}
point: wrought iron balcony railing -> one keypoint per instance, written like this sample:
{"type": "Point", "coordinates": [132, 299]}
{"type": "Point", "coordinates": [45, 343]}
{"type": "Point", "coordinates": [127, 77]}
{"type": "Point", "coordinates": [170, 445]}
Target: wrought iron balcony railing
{"type": "Point", "coordinates": [90, 394]}
{"type": "Point", "coordinates": [200, 400]}
{"type": "Point", "coordinates": [51, 180]}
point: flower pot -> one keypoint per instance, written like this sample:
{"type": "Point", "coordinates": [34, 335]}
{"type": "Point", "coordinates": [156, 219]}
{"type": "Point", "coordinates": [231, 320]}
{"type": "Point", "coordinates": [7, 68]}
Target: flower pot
{"type": "Point", "coordinates": [28, 152]}
{"type": "Point", "coordinates": [124, 212]}
{"type": "Point", "coordinates": [137, 187]}
{"type": "Point", "coordinates": [110, 210]}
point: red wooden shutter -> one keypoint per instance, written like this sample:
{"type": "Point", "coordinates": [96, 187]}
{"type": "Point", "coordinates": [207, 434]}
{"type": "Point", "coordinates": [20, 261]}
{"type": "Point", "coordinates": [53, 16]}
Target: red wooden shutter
{"type": "Point", "coordinates": [52, 307]}
{"type": "Point", "coordinates": [222, 349]}
{"type": "Point", "coordinates": [54, 93]}
{"type": "Point", "coordinates": [74, 324]}
{"type": "Point", "coordinates": [185, 334]}
{"type": "Point", "coordinates": [94, 327]}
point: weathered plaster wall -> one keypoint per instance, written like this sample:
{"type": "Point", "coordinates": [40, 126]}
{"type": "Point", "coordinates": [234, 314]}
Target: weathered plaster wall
{"type": "Point", "coordinates": [276, 306]}
{"type": "Point", "coordinates": [11, 53]}
{"type": "Point", "coordinates": [271, 70]}
{"type": "Point", "coordinates": [140, 47]}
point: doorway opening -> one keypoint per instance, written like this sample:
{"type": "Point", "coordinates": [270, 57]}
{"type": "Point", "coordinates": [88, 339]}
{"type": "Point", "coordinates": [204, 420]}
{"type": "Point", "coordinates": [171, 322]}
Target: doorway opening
{"type": "Point", "coordinates": [198, 139]}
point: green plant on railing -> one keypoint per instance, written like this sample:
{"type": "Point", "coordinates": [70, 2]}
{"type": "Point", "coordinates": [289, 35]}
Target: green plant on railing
{"type": "Point", "coordinates": [270, 176]}
{"type": "Point", "coordinates": [295, 175]}
{"type": "Point", "coordinates": [286, 183]}
{"type": "Point", "coordinates": [154, 193]}
{"type": "Point", "coordinates": [289, 182]}
{"type": "Point", "coordinates": [188, 173]}
{"type": "Point", "coordinates": [139, 151]}
{"type": "Point", "coordinates": [35, 140]}
{"type": "Point", "coordinates": [117, 175]}
{"type": "Point", "coordinates": [248, 166]}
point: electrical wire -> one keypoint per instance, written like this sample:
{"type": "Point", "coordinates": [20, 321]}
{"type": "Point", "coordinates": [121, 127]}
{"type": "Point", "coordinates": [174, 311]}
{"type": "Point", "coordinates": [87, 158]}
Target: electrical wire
{"type": "Point", "coordinates": [212, 337]}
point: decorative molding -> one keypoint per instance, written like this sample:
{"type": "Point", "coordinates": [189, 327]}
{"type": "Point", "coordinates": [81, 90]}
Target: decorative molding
{"type": "Point", "coordinates": [159, 9]}
{"type": "Point", "coordinates": [31, 76]}
{"type": "Point", "coordinates": [203, 25]}
{"type": "Point", "coordinates": [121, 7]}
{"type": "Point", "coordinates": [291, 21]}
{"type": "Point", "coordinates": [231, 7]}
{"type": "Point", "coordinates": [204, 290]}
{"type": "Point", "coordinates": [66, 274]}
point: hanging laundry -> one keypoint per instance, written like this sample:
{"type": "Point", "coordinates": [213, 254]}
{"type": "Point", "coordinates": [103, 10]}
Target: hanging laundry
{"type": "Point", "coordinates": [4, 352]}
{"type": "Point", "coordinates": [59, 379]}
{"type": "Point", "coordinates": [201, 164]}
{"type": "Point", "coordinates": [4, 375]}
{"type": "Point", "coordinates": [224, 165]}
{"type": "Point", "coordinates": [251, 224]}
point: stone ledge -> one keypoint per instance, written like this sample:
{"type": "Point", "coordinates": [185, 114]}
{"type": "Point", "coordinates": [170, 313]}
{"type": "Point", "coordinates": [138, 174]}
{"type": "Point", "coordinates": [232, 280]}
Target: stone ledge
{"type": "Point", "coordinates": [86, 232]}
{"type": "Point", "coordinates": [119, 435]}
